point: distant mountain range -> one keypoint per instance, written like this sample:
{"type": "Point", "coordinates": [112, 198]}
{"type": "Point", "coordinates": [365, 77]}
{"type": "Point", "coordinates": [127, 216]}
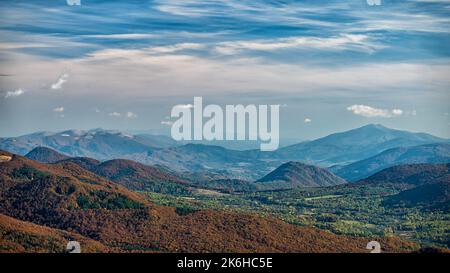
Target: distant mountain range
{"type": "Point", "coordinates": [99, 144]}
{"type": "Point", "coordinates": [343, 153]}
{"type": "Point", "coordinates": [346, 147]}
{"type": "Point", "coordinates": [430, 153]}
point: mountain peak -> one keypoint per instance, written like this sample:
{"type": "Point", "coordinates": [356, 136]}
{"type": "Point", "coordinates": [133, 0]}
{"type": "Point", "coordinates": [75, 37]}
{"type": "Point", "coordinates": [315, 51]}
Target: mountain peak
{"type": "Point", "coordinates": [298, 174]}
{"type": "Point", "coordinates": [375, 126]}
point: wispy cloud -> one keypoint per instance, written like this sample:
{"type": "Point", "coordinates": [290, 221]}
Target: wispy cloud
{"type": "Point", "coordinates": [130, 115]}
{"type": "Point", "coordinates": [370, 112]}
{"type": "Point", "coordinates": [342, 42]}
{"type": "Point", "coordinates": [124, 36]}
{"type": "Point", "coordinates": [175, 48]}
{"type": "Point", "coordinates": [307, 120]}
{"type": "Point", "coordinates": [115, 114]}
{"type": "Point", "coordinates": [60, 82]}
{"type": "Point", "coordinates": [15, 93]}
{"type": "Point", "coordinates": [58, 109]}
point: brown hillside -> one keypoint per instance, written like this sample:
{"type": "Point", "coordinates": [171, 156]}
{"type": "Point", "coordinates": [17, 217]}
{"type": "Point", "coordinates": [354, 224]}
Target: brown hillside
{"type": "Point", "coordinates": [19, 236]}
{"type": "Point", "coordinates": [55, 196]}
{"type": "Point", "coordinates": [136, 176]}
{"type": "Point", "coordinates": [45, 155]}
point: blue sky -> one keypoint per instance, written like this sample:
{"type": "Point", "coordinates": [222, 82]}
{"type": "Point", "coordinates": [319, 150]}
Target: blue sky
{"type": "Point", "coordinates": [332, 65]}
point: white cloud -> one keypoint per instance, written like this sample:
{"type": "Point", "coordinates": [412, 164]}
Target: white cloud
{"type": "Point", "coordinates": [126, 115]}
{"type": "Point", "coordinates": [130, 115]}
{"type": "Point", "coordinates": [58, 109]}
{"type": "Point", "coordinates": [370, 112]}
{"type": "Point", "coordinates": [397, 112]}
{"type": "Point", "coordinates": [15, 93]}
{"type": "Point", "coordinates": [60, 82]}
{"type": "Point", "coordinates": [114, 114]}
{"type": "Point", "coordinates": [308, 120]}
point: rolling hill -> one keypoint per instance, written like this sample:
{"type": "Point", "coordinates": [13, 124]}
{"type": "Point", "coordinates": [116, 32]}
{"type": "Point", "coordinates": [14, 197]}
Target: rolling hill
{"type": "Point", "coordinates": [421, 185]}
{"type": "Point", "coordinates": [24, 237]}
{"type": "Point", "coordinates": [84, 162]}
{"type": "Point", "coordinates": [130, 174]}
{"type": "Point", "coordinates": [45, 155]}
{"type": "Point", "coordinates": [140, 177]}
{"type": "Point", "coordinates": [412, 174]}
{"type": "Point", "coordinates": [429, 196]}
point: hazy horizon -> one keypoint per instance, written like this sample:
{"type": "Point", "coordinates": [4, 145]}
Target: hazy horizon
{"type": "Point", "coordinates": [166, 132]}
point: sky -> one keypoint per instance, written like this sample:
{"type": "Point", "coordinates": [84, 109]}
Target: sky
{"type": "Point", "coordinates": [330, 65]}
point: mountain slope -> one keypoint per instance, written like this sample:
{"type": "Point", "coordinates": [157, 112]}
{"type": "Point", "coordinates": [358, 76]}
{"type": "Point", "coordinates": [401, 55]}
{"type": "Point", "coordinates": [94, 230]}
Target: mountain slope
{"type": "Point", "coordinates": [27, 186]}
{"type": "Point", "coordinates": [136, 176]}
{"type": "Point", "coordinates": [296, 174]}
{"type": "Point", "coordinates": [430, 196]}
{"type": "Point", "coordinates": [353, 145]}
{"type": "Point", "coordinates": [214, 159]}
{"type": "Point", "coordinates": [84, 162]}
{"type": "Point", "coordinates": [45, 155]}
{"type": "Point", "coordinates": [156, 141]}
{"type": "Point", "coordinates": [430, 153]}
{"type": "Point", "coordinates": [99, 144]}
{"type": "Point", "coordinates": [413, 174]}
{"type": "Point", "coordinates": [23, 237]}
{"type": "Point", "coordinates": [421, 185]}
{"type": "Point", "coordinates": [130, 174]}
